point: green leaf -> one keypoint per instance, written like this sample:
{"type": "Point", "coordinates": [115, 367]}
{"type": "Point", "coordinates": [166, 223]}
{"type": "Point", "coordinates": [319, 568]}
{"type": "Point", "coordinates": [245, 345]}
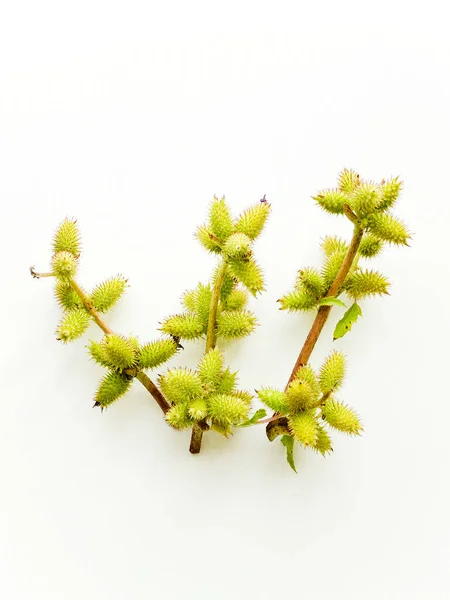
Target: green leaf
{"type": "Point", "coordinates": [331, 301]}
{"type": "Point", "coordinates": [259, 414]}
{"type": "Point", "coordinates": [288, 442]}
{"type": "Point", "coordinates": [347, 321]}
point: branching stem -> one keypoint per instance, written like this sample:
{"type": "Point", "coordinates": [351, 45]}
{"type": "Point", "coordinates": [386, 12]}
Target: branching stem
{"type": "Point", "coordinates": [275, 426]}
{"type": "Point", "coordinates": [90, 307]}
{"type": "Point", "coordinates": [87, 303]}
{"type": "Point", "coordinates": [211, 338]}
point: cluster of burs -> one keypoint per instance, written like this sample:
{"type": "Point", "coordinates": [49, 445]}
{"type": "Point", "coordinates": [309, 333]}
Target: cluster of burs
{"type": "Point", "coordinates": [208, 397]}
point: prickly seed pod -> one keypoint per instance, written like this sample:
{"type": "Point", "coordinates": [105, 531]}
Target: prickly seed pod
{"type": "Point", "coordinates": [298, 300]}
{"type": "Point", "coordinates": [390, 191]}
{"type": "Point", "coordinates": [178, 417]}
{"type": "Point", "coordinates": [67, 238]}
{"type": "Point", "coordinates": [332, 201]}
{"type": "Point", "coordinates": [365, 198]}
{"type": "Point", "coordinates": [98, 354]}
{"type": "Point", "coordinates": [73, 324]}
{"type": "Point", "coordinates": [202, 302]}
{"type": "Point", "coordinates": [210, 368]}
{"type": "Point", "coordinates": [300, 396]}
{"type": "Point", "coordinates": [306, 375]}
{"type": "Point", "coordinates": [184, 326]}
{"type": "Point", "coordinates": [274, 399]}
{"type": "Point", "coordinates": [198, 409]}
{"type": "Point", "coordinates": [238, 246]}
{"type": "Point", "coordinates": [119, 351]}
{"type": "Point", "coordinates": [323, 442]}
{"type": "Point", "coordinates": [66, 296]}
{"type": "Point", "coordinates": [332, 243]}
{"type": "Point", "coordinates": [105, 295]}
{"type": "Point", "coordinates": [366, 283]}
{"type": "Point", "coordinates": [248, 273]}
{"type": "Point", "coordinates": [341, 417]}
{"type": "Point", "coordinates": [370, 246]}
{"type": "Point", "coordinates": [389, 229]}
{"type": "Point", "coordinates": [181, 385]}
{"type": "Point", "coordinates": [332, 372]}
{"type": "Point", "coordinates": [244, 395]}
{"type": "Point", "coordinates": [227, 410]}
{"type": "Point", "coordinates": [220, 221]}
{"type": "Point", "coordinates": [112, 387]}
{"type": "Point", "coordinates": [208, 240]}
{"type": "Point", "coordinates": [64, 265]}
{"type": "Point", "coordinates": [331, 266]}
{"type": "Point", "coordinates": [251, 222]}
{"type": "Point", "coordinates": [235, 324]}
{"type": "Point", "coordinates": [304, 427]}
{"type": "Point", "coordinates": [348, 181]}
{"type": "Point", "coordinates": [228, 382]}
{"type": "Point", "coordinates": [228, 285]}
{"type": "Point", "coordinates": [156, 353]}
{"type": "Point", "coordinates": [236, 300]}
{"type": "Point", "coordinates": [310, 281]}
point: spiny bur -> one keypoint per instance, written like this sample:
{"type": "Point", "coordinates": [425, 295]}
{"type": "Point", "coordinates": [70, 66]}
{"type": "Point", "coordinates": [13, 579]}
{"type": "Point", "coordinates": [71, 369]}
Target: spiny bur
{"type": "Point", "coordinates": [67, 238]}
{"type": "Point", "coordinates": [208, 397]}
{"type": "Point", "coordinates": [73, 324]}
{"type": "Point", "coordinates": [208, 394]}
{"type": "Point", "coordinates": [106, 295]}
{"type": "Point", "coordinates": [122, 356]}
{"type": "Point", "coordinates": [341, 417]}
{"type": "Point", "coordinates": [307, 403]}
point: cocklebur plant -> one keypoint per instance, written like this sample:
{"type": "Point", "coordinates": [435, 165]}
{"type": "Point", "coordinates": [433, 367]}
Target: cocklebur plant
{"type": "Point", "coordinates": [308, 409]}
{"type": "Point", "coordinates": [208, 398]}
{"type": "Point", "coordinates": [124, 358]}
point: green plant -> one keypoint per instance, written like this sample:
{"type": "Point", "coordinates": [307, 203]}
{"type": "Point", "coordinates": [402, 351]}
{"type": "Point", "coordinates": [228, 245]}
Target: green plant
{"type": "Point", "coordinates": [308, 403]}
{"type": "Point", "coordinates": [124, 358]}
{"type": "Point", "coordinates": [208, 398]}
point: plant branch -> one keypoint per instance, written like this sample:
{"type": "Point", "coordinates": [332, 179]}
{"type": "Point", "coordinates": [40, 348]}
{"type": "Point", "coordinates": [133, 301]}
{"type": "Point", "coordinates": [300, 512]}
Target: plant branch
{"type": "Point", "coordinates": [154, 391]}
{"type": "Point", "coordinates": [140, 375]}
{"type": "Point", "coordinates": [211, 339]}
{"type": "Point", "coordinates": [88, 305]}
{"type": "Point", "coordinates": [36, 275]}
{"type": "Point", "coordinates": [321, 318]}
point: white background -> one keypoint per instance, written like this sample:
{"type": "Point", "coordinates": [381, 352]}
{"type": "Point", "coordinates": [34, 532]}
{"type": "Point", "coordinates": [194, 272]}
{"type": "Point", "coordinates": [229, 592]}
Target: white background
{"type": "Point", "coordinates": [130, 116]}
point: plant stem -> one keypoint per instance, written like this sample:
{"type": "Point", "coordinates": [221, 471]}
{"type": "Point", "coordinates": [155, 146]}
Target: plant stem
{"type": "Point", "coordinates": [211, 338]}
{"type": "Point", "coordinates": [276, 427]}
{"type": "Point", "coordinates": [153, 390]}
{"type": "Point", "coordinates": [140, 375]}
{"type": "Point", "coordinates": [211, 332]}
{"type": "Point", "coordinates": [90, 307]}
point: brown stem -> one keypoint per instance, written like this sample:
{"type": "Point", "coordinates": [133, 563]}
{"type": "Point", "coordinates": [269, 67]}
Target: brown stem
{"type": "Point", "coordinates": [154, 391]}
{"type": "Point", "coordinates": [140, 375]}
{"type": "Point", "coordinates": [211, 338]}
{"type": "Point", "coordinates": [320, 320]}
{"type": "Point", "coordinates": [88, 305]}
{"type": "Point", "coordinates": [211, 332]}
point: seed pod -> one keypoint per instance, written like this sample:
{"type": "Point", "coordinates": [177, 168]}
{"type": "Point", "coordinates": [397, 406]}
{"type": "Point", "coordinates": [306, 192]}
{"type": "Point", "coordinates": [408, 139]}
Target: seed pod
{"type": "Point", "coordinates": [67, 238]}
{"type": "Point", "coordinates": [251, 222]}
{"type": "Point", "coordinates": [341, 417]}
{"type": "Point", "coordinates": [64, 266]}
{"type": "Point", "coordinates": [112, 387]}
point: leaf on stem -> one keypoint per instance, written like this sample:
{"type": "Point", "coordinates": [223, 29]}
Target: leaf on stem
{"type": "Point", "coordinates": [346, 323]}
{"type": "Point", "coordinates": [288, 443]}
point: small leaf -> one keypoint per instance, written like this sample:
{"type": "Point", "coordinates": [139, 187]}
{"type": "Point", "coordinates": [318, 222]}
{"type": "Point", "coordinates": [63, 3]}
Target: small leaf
{"type": "Point", "coordinates": [347, 321]}
{"type": "Point", "coordinates": [288, 442]}
{"type": "Point", "coordinates": [259, 414]}
{"type": "Point", "coordinates": [331, 301]}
